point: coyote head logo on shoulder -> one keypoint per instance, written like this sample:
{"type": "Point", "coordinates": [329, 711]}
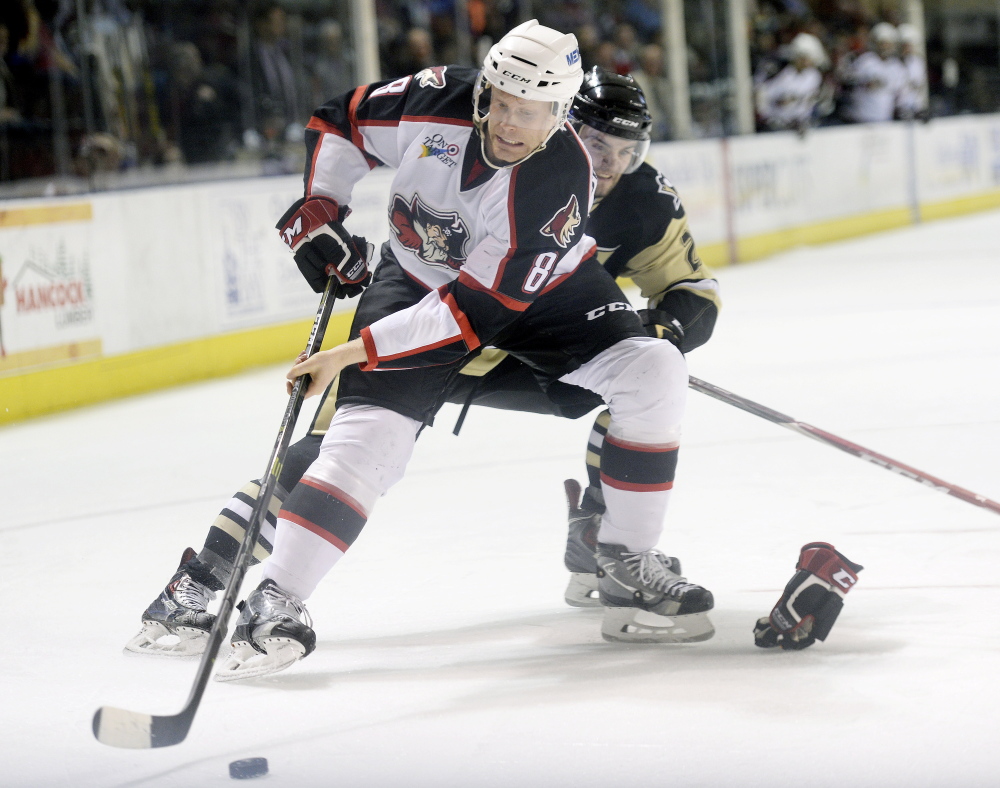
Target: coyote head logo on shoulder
{"type": "Point", "coordinates": [432, 77]}
{"type": "Point", "coordinates": [563, 225]}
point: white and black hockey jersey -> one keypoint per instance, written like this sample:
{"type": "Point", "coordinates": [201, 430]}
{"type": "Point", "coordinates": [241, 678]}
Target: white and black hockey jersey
{"type": "Point", "coordinates": [484, 242]}
{"type": "Point", "coordinates": [875, 84]}
{"type": "Point", "coordinates": [789, 97]}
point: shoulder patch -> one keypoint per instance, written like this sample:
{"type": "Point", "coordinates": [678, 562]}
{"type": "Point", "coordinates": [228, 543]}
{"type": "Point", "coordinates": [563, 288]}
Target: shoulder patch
{"type": "Point", "coordinates": [432, 77]}
{"type": "Point", "coordinates": [666, 187]}
{"type": "Point", "coordinates": [563, 225]}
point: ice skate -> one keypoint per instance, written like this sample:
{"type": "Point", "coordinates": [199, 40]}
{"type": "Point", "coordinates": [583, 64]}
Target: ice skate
{"type": "Point", "coordinates": [581, 545]}
{"type": "Point", "coordinates": [176, 623]}
{"type": "Point", "coordinates": [274, 631]}
{"type": "Point", "coordinates": [646, 601]}
{"type": "Point", "coordinates": [581, 549]}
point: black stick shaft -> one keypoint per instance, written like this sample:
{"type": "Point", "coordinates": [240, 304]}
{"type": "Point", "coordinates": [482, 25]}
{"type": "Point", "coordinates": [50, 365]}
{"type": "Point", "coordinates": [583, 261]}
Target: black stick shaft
{"type": "Point", "coordinates": [844, 445]}
{"type": "Point", "coordinates": [164, 731]}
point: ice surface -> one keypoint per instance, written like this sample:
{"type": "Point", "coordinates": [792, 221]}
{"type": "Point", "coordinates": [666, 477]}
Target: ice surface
{"type": "Point", "coordinates": [446, 656]}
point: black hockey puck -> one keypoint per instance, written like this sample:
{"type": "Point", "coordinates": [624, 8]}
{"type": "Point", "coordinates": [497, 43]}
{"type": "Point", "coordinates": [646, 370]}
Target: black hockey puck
{"type": "Point", "coordinates": [248, 767]}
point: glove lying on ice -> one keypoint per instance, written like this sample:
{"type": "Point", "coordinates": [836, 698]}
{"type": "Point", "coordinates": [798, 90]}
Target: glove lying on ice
{"type": "Point", "coordinates": [812, 599]}
{"type": "Point", "coordinates": [312, 229]}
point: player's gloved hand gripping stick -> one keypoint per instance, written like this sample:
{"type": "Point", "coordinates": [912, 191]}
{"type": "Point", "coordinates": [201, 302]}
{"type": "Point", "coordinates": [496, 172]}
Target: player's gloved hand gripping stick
{"type": "Point", "coordinates": [313, 229]}
{"type": "Point", "coordinates": [134, 730]}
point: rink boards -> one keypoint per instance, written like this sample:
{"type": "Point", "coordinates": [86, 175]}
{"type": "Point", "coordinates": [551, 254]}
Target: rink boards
{"type": "Point", "coordinates": [124, 292]}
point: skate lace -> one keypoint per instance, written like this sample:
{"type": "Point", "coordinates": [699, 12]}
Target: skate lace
{"type": "Point", "coordinates": [653, 569]}
{"type": "Point", "coordinates": [288, 604]}
{"type": "Point", "coordinates": [192, 594]}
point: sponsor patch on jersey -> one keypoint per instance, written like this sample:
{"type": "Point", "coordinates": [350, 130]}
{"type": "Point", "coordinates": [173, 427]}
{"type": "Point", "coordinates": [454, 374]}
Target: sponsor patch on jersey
{"type": "Point", "coordinates": [432, 77]}
{"type": "Point", "coordinates": [442, 150]}
{"type": "Point", "coordinates": [439, 239]}
{"type": "Point", "coordinates": [563, 225]}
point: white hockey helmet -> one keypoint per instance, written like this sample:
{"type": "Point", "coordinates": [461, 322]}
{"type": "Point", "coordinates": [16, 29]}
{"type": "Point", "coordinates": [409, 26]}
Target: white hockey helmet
{"type": "Point", "coordinates": [883, 32]}
{"type": "Point", "coordinates": [908, 34]}
{"type": "Point", "coordinates": [808, 46]}
{"type": "Point", "coordinates": [533, 62]}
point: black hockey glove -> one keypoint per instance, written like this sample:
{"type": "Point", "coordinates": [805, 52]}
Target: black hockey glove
{"type": "Point", "coordinates": [662, 325]}
{"type": "Point", "coordinates": [812, 599]}
{"type": "Point", "coordinates": [312, 229]}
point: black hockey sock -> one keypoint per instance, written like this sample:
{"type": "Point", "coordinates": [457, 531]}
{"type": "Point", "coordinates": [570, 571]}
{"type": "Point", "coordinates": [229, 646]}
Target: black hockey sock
{"type": "Point", "coordinates": [227, 531]}
{"type": "Point", "coordinates": [595, 445]}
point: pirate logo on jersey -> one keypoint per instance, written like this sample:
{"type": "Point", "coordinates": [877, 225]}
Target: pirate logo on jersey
{"type": "Point", "coordinates": [563, 225]}
{"type": "Point", "coordinates": [437, 239]}
{"type": "Point", "coordinates": [431, 77]}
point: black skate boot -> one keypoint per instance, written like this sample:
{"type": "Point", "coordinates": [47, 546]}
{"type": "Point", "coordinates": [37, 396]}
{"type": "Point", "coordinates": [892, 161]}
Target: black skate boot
{"type": "Point", "coordinates": [581, 545]}
{"type": "Point", "coordinates": [647, 601]}
{"type": "Point", "coordinates": [176, 623]}
{"type": "Point", "coordinates": [273, 632]}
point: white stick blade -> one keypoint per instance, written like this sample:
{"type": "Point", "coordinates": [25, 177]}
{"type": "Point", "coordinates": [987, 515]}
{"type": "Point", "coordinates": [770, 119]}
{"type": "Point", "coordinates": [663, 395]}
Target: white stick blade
{"type": "Point", "coordinates": [121, 728]}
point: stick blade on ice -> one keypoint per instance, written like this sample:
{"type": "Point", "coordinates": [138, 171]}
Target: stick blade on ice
{"type": "Point", "coordinates": [133, 730]}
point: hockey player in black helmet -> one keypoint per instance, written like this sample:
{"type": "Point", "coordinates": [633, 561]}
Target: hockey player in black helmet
{"type": "Point", "coordinates": [642, 233]}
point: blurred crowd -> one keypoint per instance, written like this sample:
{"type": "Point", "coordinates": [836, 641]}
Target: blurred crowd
{"type": "Point", "coordinates": [143, 83]}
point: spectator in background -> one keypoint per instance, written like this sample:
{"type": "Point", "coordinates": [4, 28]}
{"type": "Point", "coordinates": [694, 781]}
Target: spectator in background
{"type": "Point", "coordinates": [331, 71]}
{"type": "Point", "coordinates": [273, 79]}
{"type": "Point", "coordinates": [9, 113]}
{"type": "Point", "coordinates": [644, 18]}
{"type": "Point", "coordinates": [415, 54]}
{"type": "Point", "coordinates": [626, 49]}
{"type": "Point", "coordinates": [911, 102]}
{"type": "Point", "coordinates": [874, 78]}
{"type": "Point", "coordinates": [788, 99]}
{"type": "Point", "coordinates": [652, 80]}
{"type": "Point", "coordinates": [201, 114]}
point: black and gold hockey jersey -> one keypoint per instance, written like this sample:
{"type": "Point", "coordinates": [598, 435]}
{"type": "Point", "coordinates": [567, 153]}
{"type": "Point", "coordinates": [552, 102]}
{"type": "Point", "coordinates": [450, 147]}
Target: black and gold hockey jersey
{"type": "Point", "coordinates": [642, 233]}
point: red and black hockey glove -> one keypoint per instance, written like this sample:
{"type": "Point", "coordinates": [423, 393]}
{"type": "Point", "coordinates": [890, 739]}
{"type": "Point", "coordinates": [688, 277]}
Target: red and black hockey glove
{"type": "Point", "coordinates": [812, 599]}
{"type": "Point", "coordinates": [312, 229]}
{"type": "Point", "coordinates": [662, 325]}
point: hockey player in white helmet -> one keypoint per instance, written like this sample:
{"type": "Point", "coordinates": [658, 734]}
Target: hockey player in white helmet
{"type": "Point", "coordinates": [788, 100]}
{"type": "Point", "coordinates": [912, 102]}
{"type": "Point", "coordinates": [487, 247]}
{"type": "Point", "coordinates": [874, 79]}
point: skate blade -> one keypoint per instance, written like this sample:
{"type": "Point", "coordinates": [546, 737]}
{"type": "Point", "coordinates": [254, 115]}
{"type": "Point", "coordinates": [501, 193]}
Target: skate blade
{"type": "Point", "coordinates": [634, 625]}
{"type": "Point", "coordinates": [582, 590]}
{"type": "Point", "coordinates": [159, 640]}
{"type": "Point", "coordinates": [245, 662]}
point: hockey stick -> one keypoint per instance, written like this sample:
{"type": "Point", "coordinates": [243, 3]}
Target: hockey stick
{"type": "Point", "coordinates": [844, 445]}
{"type": "Point", "coordinates": [134, 730]}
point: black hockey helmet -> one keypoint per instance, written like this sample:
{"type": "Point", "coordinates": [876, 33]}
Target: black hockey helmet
{"type": "Point", "coordinates": [612, 103]}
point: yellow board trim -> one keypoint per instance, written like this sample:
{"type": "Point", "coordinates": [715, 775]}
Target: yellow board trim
{"type": "Point", "coordinates": [45, 356]}
{"type": "Point", "coordinates": [944, 210]}
{"type": "Point", "coordinates": [764, 245]}
{"type": "Point", "coordinates": [88, 382]}
{"type": "Point", "coordinates": [47, 214]}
